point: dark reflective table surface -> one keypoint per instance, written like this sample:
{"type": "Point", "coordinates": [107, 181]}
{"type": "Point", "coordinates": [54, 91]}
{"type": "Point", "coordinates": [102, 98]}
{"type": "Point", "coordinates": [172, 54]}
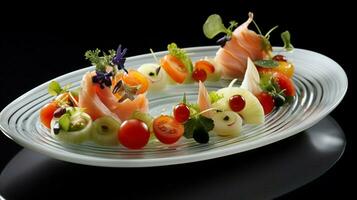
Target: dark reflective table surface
{"type": "Point", "coordinates": [263, 173]}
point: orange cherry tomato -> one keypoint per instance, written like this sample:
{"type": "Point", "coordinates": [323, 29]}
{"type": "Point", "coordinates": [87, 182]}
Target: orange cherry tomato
{"type": "Point", "coordinates": [133, 78]}
{"type": "Point", "coordinates": [205, 65]}
{"type": "Point", "coordinates": [284, 67]}
{"type": "Point", "coordinates": [174, 68]}
{"type": "Point", "coordinates": [46, 113]}
{"type": "Point", "coordinates": [167, 129]}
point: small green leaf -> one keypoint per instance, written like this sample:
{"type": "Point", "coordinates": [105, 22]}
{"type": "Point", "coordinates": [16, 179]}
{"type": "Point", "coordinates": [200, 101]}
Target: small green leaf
{"type": "Point", "coordinates": [266, 63]}
{"type": "Point", "coordinates": [213, 26]}
{"type": "Point", "coordinates": [54, 88]}
{"type": "Point", "coordinates": [285, 36]}
{"type": "Point", "coordinates": [189, 128]}
{"type": "Point", "coordinates": [181, 54]}
{"type": "Point", "coordinates": [214, 97]}
{"type": "Point", "coordinates": [206, 123]}
{"type": "Point", "coordinates": [65, 121]}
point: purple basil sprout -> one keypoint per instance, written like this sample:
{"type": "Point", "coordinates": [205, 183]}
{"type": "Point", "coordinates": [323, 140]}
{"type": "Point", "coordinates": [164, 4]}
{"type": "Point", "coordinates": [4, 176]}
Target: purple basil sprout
{"type": "Point", "coordinates": [119, 59]}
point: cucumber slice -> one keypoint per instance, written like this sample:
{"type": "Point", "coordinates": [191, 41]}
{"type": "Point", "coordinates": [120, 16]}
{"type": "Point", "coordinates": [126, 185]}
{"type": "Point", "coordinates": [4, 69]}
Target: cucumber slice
{"type": "Point", "coordinates": [105, 131]}
{"type": "Point", "coordinates": [158, 81]}
{"type": "Point", "coordinates": [77, 135]}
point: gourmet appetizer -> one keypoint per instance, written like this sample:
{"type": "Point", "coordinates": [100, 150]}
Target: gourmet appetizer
{"type": "Point", "coordinates": [111, 108]}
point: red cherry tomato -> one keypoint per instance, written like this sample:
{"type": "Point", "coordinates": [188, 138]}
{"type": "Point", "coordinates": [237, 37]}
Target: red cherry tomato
{"type": "Point", "coordinates": [199, 75]}
{"type": "Point", "coordinates": [133, 134]}
{"type": "Point", "coordinates": [167, 129]}
{"type": "Point", "coordinates": [205, 65]}
{"type": "Point", "coordinates": [280, 58]}
{"type": "Point", "coordinates": [46, 113]}
{"type": "Point", "coordinates": [267, 101]}
{"type": "Point", "coordinates": [237, 103]}
{"type": "Point", "coordinates": [285, 83]}
{"type": "Point", "coordinates": [181, 113]}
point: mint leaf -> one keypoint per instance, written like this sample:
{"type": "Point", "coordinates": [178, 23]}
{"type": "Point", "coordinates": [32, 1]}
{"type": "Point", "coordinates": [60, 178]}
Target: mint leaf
{"type": "Point", "coordinates": [200, 123]}
{"type": "Point", "coordinates": [206, 123]}
{"type": "Point", "coordinates": [266, 63]}
{"type": "Point", "coordinates": [181, 55]}
{"type": "Point", "coordinates": [285, 36]}
{"type": "Point", "coordinates": [189, 128]}
{"type": "Point", "coordinates": [54, 88]}
{"type": "Point", "coordinates": [65, 122]}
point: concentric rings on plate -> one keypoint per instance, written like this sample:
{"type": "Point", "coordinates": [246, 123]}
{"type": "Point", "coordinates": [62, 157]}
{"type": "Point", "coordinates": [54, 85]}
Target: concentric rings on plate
{"type": "Point", "coordinates": [320, 84]}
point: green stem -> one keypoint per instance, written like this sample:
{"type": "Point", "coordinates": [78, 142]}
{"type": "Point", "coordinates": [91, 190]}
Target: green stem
{"type": "Point", "coordinates": [256, 25]}
{"type": "Point", "coordinates": [271, 30]}
{"type": "Point", "coordinates": [153, 54]}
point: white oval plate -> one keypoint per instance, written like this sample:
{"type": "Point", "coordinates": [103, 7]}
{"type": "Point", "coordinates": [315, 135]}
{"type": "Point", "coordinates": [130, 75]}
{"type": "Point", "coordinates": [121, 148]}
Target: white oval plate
{"type": "Point", "coordinates": [320, 83]}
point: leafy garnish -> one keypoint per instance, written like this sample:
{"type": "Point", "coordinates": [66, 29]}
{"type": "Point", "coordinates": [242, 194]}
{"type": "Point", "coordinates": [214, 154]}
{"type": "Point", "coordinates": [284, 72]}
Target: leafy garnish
{"type": "Point", "coordinates": [214, 25]}
{"type": "Point", "coordinates": [65, 121]}
{"type": "Point", "coordinates": [285, 36]}
{"type": "Point", "coordinates": [266, 63]}
{"type": "Point", "coordinates": [214, 97]}
{"type": "Point", "coordinates": [200, 123]}
{"type": "Point", "coordinates": [268, 84]}
{"type": "Point", "coordinates": [181, 55]}
{"type": "Point", "coordinates": [54, 88]}
{"type": "Point", "coordinates": [100, 62]}
{"type": "Point", "coordinates": [193, 107]}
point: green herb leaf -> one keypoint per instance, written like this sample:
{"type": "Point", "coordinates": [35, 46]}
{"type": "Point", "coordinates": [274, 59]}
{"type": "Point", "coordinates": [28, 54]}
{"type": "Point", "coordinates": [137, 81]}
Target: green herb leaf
{"type": "Point", "coordinates": [193, 107]}
{"type": "Point", "coordinates": [54, 88]}
{"type": "Point", "coordinates": [100, 62]}
{"type": "Point", "coordinates": [214, 97]}
{"type": "Point", "coordinates": [285, 36]}
{"type": "Point", "coordinates": [214, 26]}
{"type": "Point", "coordinates": [65, 121]}
{"type": "Point", "coordinates": [198, 123]}
{"type": "Point", "coordinates": [266, 63]}
{"type": "Point", "coordinates": [189, 128]}
{"type": "Point", "coordinates": [206, 123]}
{"type": "Point", "coordinates": [181, 55]}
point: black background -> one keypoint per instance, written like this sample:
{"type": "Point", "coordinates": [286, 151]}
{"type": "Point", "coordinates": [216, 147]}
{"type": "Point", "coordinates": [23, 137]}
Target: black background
{"type": "Point", "coordinates": [38, 44]}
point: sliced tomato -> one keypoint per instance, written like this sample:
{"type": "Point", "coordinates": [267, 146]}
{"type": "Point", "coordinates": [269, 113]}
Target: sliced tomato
{"type": "Point", "coordinates": [167, 129]}
{"type": "Point", "coordinates": [285, 83]}
{"type": "Point", "coordinates": [205, 65]}
{"type": "Point", "coordinates": [174, 68]}
{"type": "Point", "coordinates": [46, 113]}
{"type": "Point", "coordinates": [133, 78]}
{"type": "Point", "coordinates": [267, 102]}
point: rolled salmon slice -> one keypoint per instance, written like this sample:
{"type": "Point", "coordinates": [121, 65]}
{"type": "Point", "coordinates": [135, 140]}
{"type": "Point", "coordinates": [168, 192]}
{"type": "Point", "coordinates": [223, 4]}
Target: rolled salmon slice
{"type": "Point", "coordinates": [90, 102]}
{"type": "Point", "coordinates": [100, 102]}
{"type": "Point", "coordinates": [244, 43]}
{"type": "Point", "coordinates": [231, 67]}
